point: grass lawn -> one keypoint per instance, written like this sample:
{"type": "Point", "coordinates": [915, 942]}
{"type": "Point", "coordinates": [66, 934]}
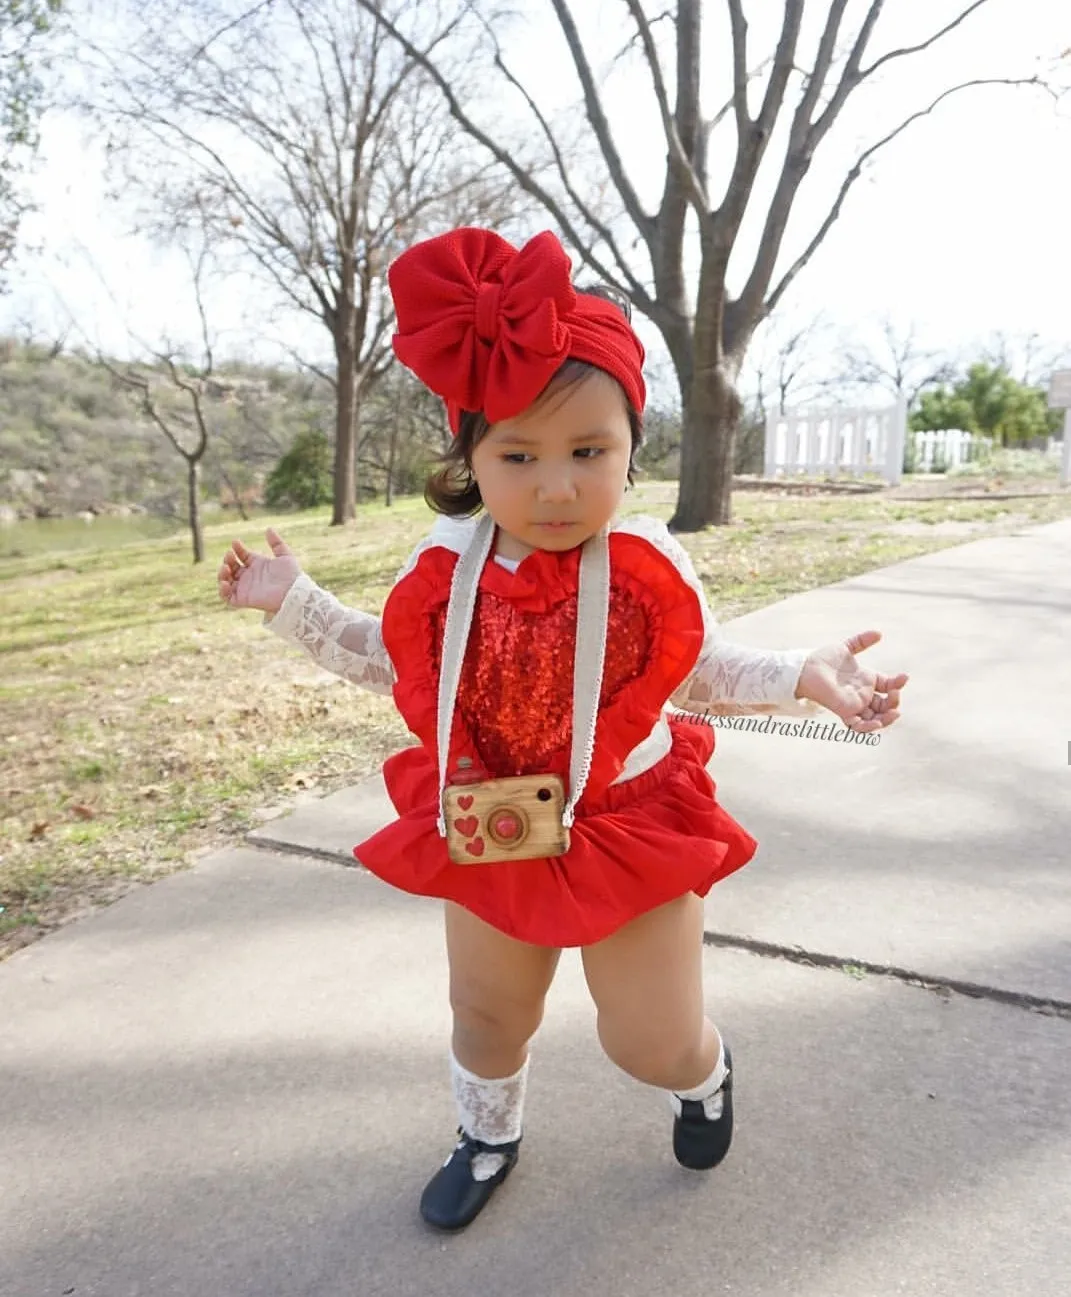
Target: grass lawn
{"type": "Point", "coordinates": [143, 722]}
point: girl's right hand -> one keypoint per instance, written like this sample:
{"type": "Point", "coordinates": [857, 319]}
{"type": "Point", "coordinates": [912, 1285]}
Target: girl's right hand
{"type": "Point", "coordinates": [248, 580]}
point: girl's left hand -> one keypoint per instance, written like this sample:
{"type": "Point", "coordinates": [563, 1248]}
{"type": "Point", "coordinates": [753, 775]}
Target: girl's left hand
{"type": "Point", "coordinates": [833, 678]}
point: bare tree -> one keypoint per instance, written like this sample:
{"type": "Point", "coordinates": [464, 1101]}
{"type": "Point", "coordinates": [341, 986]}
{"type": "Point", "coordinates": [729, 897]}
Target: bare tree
{"type": "Point", "coordinates": [309, 142]}
{"type": "Point", "coordinates": [789, 359]}
{"type": "Point", "coordinates": [1026, 357]}
{"type": "Point", "coordinates": [698, 219]}
{"type": "Point", "coordinates": [187, 426]}
{"type": "Point", "coordinates": [899, 365]}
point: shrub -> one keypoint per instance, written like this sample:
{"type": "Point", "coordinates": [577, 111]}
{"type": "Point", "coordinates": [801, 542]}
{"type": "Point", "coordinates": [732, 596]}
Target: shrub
{"type": "Point", "coordinates": [302, 479]}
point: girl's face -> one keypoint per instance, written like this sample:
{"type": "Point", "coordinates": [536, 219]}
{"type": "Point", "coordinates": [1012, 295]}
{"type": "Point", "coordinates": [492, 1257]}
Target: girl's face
{"type": "Point", "coordinates": [563, 461]}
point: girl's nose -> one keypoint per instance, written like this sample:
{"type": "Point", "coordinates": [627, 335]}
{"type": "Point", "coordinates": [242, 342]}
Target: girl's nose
{"type": "Point", "coordinates": [556, 483]}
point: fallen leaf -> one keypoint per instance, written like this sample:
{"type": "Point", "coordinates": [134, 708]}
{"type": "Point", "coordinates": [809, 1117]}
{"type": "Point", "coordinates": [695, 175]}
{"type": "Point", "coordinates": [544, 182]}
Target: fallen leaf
{"type": "Point", "coordinates": [39, 830]}
{"type": "Point", "coordinates": [84, 812]}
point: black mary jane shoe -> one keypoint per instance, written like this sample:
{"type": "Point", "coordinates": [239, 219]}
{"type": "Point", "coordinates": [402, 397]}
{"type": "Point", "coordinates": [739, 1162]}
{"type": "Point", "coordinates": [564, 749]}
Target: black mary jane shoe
{"type": "Point", "coordinates": [453, 1197]}
{"type": "Point", "coordinates": [701, 1142]}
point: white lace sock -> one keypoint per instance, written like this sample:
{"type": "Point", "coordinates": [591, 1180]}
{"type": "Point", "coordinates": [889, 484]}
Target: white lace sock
{"type": "Point", "coordinates": [490, 1110]}
{"type": "Point", "coordinates": [707, 1092]}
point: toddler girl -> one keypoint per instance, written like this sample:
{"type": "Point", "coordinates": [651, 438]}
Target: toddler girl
{"type": "Point", "coordinates": [533, 633]}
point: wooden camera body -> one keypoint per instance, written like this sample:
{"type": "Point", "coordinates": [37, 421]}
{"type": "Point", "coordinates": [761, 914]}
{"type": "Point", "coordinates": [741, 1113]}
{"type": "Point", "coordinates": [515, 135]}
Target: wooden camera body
{"type": "Point", "coordinates": [505, 819]}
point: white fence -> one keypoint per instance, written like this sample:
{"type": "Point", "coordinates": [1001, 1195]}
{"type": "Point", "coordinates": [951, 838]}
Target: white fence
{"type": "Point", "coordinates": [945, 448]}
{"type": "Point", "coordinates": [854, 442]}
{"type": "Point", "coordinates": [837, 441]}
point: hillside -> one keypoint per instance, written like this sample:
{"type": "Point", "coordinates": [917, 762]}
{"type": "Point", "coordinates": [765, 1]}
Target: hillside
{"type": "Point", "coordinates": [73, 440]}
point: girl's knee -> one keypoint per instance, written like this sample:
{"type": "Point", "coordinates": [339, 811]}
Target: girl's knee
{"type": "Point", "coordinates": [654, 1056]}
{"type": "Point", "coordinates": [488, 1017]}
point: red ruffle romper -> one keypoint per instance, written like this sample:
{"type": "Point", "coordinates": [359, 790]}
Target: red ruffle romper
{"type": "Point", "coordinates": [634, 845]}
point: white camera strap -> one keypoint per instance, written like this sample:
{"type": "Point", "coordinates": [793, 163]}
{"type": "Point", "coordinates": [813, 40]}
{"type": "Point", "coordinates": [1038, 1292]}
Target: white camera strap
{"type": "Point", "coordinates": [592, 611]}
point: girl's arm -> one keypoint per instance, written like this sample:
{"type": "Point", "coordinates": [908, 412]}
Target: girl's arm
{"type": "Point", "coordinates": [734, 680]}
{"type": "Point", "coordinates": [342, 640]}
{"type": "Point", "coordinates": [731, 679]}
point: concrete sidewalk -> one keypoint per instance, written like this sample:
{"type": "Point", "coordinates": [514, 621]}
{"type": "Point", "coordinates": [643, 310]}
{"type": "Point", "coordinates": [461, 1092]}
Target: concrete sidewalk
{"type": "Point", "coordinates": [234, 1082]}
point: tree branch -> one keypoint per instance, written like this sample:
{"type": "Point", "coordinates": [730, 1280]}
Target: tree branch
{"type": "Point", "coordinates": [652, 23]}
{"type": "Point", "coordinates": [849, 79]}
{"type": "Point", "coordinates": [803, 139]}
{"type": "Point", "coordinates": [784, 62]}
{"type": "Point", "coordinates": [334, 133]}
{"type": "Point", "coordinates": [752, 142]}
{"type": "Point", "coordinates": [597, 117]}
{"type": "Point", "coordinates": [738, 23]}
{"type": "Point", "coordinates": [235, 22]}
{"type": "Point", "coordinates": [193, 392]}
{"type": "Point", "coordinates": [600, 227]}
{"type": "Point", "coordinates": [302, 363]}
{"type": "Point", "coordinates": [925, 45]}
{"type": "Point", "coordinates": [136, 383]}
{"type": "Point", "coordinates": [677, 151]}
{"type": "Point", "coordinates": [197, 272]}
{"type": "Point", "coordinates": [856, 171]}
{"type": "Point", "coordinates": [643, 299]}
{"type": "Point", "coordinates": [817, 78]}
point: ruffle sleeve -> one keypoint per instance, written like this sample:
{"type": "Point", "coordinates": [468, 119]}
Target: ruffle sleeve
{"type": "Point", "coordinates": [729, 679]}
{"type": "Point", "coordinates": [675, 631]}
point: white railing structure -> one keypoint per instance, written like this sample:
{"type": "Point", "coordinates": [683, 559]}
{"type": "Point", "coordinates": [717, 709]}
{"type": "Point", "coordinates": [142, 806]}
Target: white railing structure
{"type": "Point", "coordinates": [837, 441]}
{"type": "Point", "coordinates": [947, 447]}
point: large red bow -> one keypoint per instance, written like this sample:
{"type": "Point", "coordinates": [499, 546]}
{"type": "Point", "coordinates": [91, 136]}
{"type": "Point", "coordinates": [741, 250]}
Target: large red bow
{"type": "Point", "coordinates": [486, 326]}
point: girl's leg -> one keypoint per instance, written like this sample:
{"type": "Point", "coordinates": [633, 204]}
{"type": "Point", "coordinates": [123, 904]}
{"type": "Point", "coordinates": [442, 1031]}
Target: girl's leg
{"type": "Point", "coordinates": [497, 989]}
{"type": "Point", "coordinates": [646, 981]}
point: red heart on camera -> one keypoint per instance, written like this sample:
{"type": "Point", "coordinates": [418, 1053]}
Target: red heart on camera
{"type": "Point", "coordinates": [468, 826]}
{"type": "Point", "coordinates": [475, 848]}
{"type": "Point", "coordinates": [464, 802]}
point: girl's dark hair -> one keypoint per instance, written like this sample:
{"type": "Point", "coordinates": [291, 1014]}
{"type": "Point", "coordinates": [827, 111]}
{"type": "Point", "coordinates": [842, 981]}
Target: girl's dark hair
{"type": "Point", "coordinates": [451, 489]}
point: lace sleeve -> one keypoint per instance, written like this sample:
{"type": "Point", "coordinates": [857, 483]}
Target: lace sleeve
{"type": "Point", "coordinates": [728, 679]}
{"type": "Point", "coordinates": [340, 639]}
{"type": "Point", "coordinates": [734, 680]}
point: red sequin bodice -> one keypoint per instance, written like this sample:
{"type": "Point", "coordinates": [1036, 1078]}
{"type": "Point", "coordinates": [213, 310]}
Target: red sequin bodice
{"type": "Point", "coordinates": [515, 696]}
{"type": "Point", "coordinates": [513, 713]}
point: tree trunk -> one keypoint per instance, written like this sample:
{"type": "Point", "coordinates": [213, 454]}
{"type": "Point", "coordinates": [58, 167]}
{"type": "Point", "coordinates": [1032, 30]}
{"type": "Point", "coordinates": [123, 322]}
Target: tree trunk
{"type": "Point", "coordinates": [711, 414]}
{"type": "Point", "coordinates": [708, 443]}
{"type": "Point", "coordinates": [393, 445]}
{"type": "Point", "coordinates": [345, 484]}
{"type": "Point", "coordinates": [196, 531]}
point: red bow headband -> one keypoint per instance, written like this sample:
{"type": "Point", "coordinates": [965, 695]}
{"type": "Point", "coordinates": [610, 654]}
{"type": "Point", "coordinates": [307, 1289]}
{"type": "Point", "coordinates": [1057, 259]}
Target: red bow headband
{"type": "Point", "coordinates": [486, 326]}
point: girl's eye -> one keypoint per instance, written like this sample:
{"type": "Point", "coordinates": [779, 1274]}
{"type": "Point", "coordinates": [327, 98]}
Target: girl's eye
{"type": "Point", "coordinates": [587, 452]}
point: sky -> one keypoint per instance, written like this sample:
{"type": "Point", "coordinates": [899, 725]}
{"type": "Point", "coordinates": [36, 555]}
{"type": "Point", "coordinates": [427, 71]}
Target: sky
{"type": "Point", "coordinates": [959, 228]}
